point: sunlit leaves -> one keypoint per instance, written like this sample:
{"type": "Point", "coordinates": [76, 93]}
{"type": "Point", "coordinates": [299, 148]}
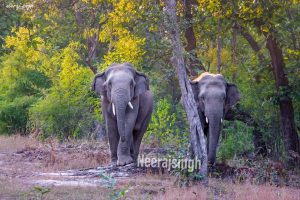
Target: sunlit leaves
{"type": "Point", "coordinates": [64, 111]}
{"type": "Point", "coordinates": [22, 79]}
{"type": "Point", "coordinates": [127, 49]}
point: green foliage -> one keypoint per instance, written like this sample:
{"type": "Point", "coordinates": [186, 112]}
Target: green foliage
{"type": "Point", "coordinates": [14, 114]}
{"type": "Point", "coordinates": [41, 191]}
{"type": "Point", "coordinates": [237, 140]}
{"type": "Point", "coordinates": [65, 110]}
{"type": "Point", "coordinates": [108, 180]}
{"type": "Point", "coordinates": [22, 82]}
{"type": "Point", "coordinates": [45, 80]}
{"type": "Point", "coordinates": [163, 129]}
{"type": "Point", "coordinates": [8, 18]}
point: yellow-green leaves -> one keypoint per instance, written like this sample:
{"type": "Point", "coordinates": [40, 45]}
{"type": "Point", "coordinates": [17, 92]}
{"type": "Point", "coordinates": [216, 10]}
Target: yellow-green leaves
{"type": "Point", "coordinates": [73, 78]}
{"type": "Point", "coordinates": [129, 48]}
{"type": "Point", "coordinates": [64, 111]}
{"type": "Point", "coordinates": [124, 44]}
{"type": "Point", "coordinates": [27, 54]}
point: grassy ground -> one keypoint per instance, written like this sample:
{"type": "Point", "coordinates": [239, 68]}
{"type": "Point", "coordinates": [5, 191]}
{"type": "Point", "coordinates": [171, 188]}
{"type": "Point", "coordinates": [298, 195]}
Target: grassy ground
{"type": "Point", "coordinates": [22, 158]}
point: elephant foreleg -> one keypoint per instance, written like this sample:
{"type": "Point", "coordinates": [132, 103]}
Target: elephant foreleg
{"type": "Point", "coordinates": [125, 148]}
{"type": "Point", "coordinates": [143, 118]}
{"type": "Point", "coordinates": [113, 137]}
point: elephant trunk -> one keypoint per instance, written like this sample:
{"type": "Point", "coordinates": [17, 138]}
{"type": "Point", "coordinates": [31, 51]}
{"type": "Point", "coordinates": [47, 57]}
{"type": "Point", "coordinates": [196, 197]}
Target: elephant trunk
{"type": "Point", "coordinates": [214, 133]}
{"type": "Point", "coordinates": [120, 101]}
{"type": "Point", "coordinates": [121, 122]}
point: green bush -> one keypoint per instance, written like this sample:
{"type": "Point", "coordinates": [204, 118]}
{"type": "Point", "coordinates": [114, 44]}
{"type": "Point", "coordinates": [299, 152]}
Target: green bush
{"type": "Point", "coordinates": [62, 118]}
{"type": "Point", "coordinates": [237, 140]}
{"type": "Point", "coordinates": [22, 80]}
{"type": "Point", "coordinates": [66, 110]}
{"type": "Point", "coordinates": [16, 99]}
{"type": "Point", "coordinates": [165, 128]}
{"type": "Point", "coordinates": [14, 114]}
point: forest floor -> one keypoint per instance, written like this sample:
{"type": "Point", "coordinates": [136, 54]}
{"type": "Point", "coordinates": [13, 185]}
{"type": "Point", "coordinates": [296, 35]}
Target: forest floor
{"type": "Point", "coordinates": [31, 169]}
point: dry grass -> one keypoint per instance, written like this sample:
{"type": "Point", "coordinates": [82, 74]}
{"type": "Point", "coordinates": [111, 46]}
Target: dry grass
{"type": "Point", "coordinates": [192, 193]}
{"type": "Point", "coordinates": [22, 157]}
{"type": "Point", "coordinates": [255, 192]}
{"type": "Point", "coordinates": [52, 155]}
{"type": "Point", "coordinates": [10, 144]}
{"type": "Point", "coordinates": [221, 190]}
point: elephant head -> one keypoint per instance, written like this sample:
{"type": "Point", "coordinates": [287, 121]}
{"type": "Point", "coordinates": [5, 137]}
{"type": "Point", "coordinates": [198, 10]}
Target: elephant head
{"type": "Point", "coordinates": [120, 84]}
{"type": "Point", "coordinates": [214, 97]}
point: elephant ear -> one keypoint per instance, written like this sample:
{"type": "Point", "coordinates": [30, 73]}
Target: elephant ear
{"type": "Point", "coordinates": [232, 96]}
{"type": "Point", "coordinates": [98, 84]}
{"type": "Point", "coordinates": [141, 84]}
{"type": "Point", "coordinates": [195, 89]}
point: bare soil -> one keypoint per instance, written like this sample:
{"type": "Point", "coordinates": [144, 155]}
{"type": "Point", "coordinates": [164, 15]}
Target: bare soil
{"type": "Point", "coordinates": [31, 169]}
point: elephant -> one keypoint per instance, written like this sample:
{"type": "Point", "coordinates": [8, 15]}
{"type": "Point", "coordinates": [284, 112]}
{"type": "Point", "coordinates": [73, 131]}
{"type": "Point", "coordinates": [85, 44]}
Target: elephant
{"type": "Point", "coordinates": [127, 105]}
{"type": "Point", "coordinates": [214, 98]}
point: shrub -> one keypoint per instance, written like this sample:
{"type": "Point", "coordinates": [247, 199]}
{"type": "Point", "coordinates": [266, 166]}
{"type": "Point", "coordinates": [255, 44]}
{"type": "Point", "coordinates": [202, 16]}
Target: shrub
{"type": "Point", "coordinates": [165, 127]}
{"type": "Point", "coordinates": [14, 114]}
{"type": "Point", "coordinates": [237, 140]}
{"type": "Point", "coordinates": [66, 110]}
{"type": "Point", "coordinates": [22, 80]}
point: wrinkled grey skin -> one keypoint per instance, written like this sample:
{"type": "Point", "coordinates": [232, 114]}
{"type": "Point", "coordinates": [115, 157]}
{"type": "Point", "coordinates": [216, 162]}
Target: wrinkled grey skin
{"type": "Point", "coordinates": [119, 85]}
{"type": "Point", "coordinates": [214, 97]}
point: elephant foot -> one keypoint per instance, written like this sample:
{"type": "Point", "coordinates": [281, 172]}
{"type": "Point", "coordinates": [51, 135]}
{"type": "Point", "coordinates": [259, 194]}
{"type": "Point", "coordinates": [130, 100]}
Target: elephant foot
{"type": "Point", "coordinates": [124, 160]}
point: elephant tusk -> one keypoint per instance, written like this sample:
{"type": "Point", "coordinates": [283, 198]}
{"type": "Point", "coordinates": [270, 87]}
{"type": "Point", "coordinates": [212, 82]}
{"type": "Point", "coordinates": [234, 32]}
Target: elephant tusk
{"type": "Point", "coordinates": [221, 120]}
{"type": "Point", "coordinates": [130, 105]}
{"type": "Point", "coordinates": [113, 109]}
{"type": "Point", "coordinates": [206, 120]}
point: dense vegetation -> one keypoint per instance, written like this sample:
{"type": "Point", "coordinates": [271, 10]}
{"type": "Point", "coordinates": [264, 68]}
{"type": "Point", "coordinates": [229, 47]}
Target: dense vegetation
{"type": "Point", "coordinates": [50, 51]}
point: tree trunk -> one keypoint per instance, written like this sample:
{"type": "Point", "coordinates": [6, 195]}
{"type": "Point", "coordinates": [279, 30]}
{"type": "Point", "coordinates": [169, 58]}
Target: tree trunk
{"type": "Point", "coordinates": [191, 40]}
{"type": "Point", "coordinates": [92, 42]}
{"type": "Point", "coordinates": [219, 48]}
{"type": "Point", "coordinates": [234, 53]}
{"type": "Point", "coordinates": [234, 45]}
{"type": "Point", "coordinates": [287, 123]}
{"type": "Point", "coordinates": [196, 132]}
{"type": "Point", "coordinates": [254, 45]}
{"type": "Point", "coordinates": [290, 136]}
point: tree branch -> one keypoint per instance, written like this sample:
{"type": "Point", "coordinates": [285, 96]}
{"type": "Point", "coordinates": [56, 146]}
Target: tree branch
{"type": "Point", "coordinates": [252, 42]}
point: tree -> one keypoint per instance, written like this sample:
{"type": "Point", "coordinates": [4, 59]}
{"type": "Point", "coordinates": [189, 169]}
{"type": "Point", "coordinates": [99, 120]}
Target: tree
{"type": "Point", "coordinates": [194, 63]}
{"type": "Point", "coordinates": [288, 128]}
{"type": "Point", "coordinates": [264, 16]}
{"type": "Point", "coordinates": [196, 132]}
{"type": "Point", "coordinates": [287, 121]}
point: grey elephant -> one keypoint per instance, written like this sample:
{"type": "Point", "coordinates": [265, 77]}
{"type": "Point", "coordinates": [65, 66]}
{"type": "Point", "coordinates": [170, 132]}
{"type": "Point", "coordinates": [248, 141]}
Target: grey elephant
{"type": "Point", "coordinates": [127, 105]}
{"type": "Point", "coordinates": [214, 97]}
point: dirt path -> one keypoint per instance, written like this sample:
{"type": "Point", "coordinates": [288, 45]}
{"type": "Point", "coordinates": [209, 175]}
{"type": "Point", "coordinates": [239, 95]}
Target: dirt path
{"type": "Point", "coordinates": [30, 169]}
